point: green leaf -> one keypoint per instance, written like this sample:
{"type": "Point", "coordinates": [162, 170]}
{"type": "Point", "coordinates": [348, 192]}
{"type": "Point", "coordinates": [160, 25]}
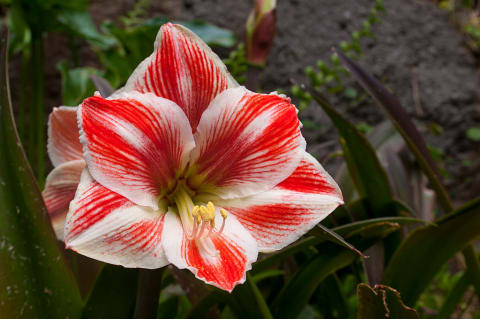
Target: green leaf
{"type": "Point", "coordinates": [113, 295]}
{"type": "Point", "coordinates": [210, 300]}
{"type": "Point", "coordinates": [248, 301]}
{"type": "Point", "coordinates": [473, 133]}
{"type": "Point", "coordinates": [174, 307]}
{"type": "Point", "coordinates": [422, 254]}
{"type": "Point", "coordinates": [454, 297]}
{"type": "Point", "coordinates": [417, 145]}
{"type": "Point", "coordinates": [382, 302]}
{"type": "Point", "coordinates": [327, 234]}
{"type": "Point", "coordinates": [369, 227]}
{"type": "Point", "coordinates": [21, 34]}
{"type": "Point", "coordinates": [367, 173]}
{"type": "Point", "coordinates": [80, 23]}
{"type": "Point", "coordinates": [331, 299]}
{"type": "Point", "coordinates": [76, 83]}
{"type": "Point", "coordinates": [34, 279]}
{"type": "Point", "coordinates": [168, 309]}
{"type": "Point", "coordinates": [298, 291]}
{"type": "Point", "coordinates": [267, 274]}
{"type": "Point", "coordinates": [211, 34]}
{"type": "Point", "coordinates": [402, 122]}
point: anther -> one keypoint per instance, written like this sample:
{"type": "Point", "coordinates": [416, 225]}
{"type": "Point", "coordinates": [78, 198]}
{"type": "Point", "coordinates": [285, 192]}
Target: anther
{"type": "Point", "coordinates": [223, 212]}
{"type": "Point", "coordinates": [204, 213]}
{"type": "Point", "coordinates": [196, 214]}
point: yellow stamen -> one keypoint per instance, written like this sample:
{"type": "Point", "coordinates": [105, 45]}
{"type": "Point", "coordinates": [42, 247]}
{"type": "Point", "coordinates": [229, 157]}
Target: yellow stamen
{"type": "Point", "coordinates": [223, 212]}
{"type": "Point", "coordinates": [204, 213]}
{"type": "Point", "coordinates": [196, 214]}
{"type": "Point", "coordinates": [211, 209]}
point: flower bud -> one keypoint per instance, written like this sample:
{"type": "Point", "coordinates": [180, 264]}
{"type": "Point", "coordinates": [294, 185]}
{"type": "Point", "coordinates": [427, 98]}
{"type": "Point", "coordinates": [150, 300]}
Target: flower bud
{"type": "Point", "coordinates": [260, 31]}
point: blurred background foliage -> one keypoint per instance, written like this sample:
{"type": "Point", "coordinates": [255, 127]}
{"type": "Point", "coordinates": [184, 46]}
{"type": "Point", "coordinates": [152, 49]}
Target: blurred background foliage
{"type": "Point", "coordinates": [422, 254]}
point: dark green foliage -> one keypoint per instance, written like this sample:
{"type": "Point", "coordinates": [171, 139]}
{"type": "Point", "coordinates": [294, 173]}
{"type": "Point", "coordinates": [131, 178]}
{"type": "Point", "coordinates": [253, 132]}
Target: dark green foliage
{"type": "Point", "coordinates": [428, 244]}
{"type": "Point", "coordinates": [113, 295]}
{"type": "Point", "coordinates": [382, 302]}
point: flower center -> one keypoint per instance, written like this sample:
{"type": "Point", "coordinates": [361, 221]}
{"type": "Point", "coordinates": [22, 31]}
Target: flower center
{"type": "Point", "coordinates": [198, 220]}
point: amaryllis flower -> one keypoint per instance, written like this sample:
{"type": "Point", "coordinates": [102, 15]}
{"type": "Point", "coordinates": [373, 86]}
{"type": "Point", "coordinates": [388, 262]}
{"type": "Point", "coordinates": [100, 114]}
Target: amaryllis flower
{"type": "Point", "coordinates": [65, 152]}
{"type": "Point", "coordinates": [184, 166]}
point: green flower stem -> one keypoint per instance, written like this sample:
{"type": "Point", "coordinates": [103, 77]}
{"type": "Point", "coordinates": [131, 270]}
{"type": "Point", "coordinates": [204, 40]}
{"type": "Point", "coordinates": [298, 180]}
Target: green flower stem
{"type": "Point", "coordinates": [149, 287]}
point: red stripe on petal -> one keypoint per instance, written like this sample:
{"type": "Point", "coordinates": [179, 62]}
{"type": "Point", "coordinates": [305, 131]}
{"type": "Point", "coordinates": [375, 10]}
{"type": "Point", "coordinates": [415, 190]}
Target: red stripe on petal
{"type": "Point", "coordinates": [95, 203]}
{"type": "Point", "coordinates": [220, 261]}
{"type": "Point", "coordinates": [308, 179]}
{"type": "Point", "coordinates": [247, 142]}
{"type": "Point", "coordinates": [106, 226]}
{"type": "Point", "coordinates": [279, 216]}
{"type": "Point", "coordinates": [225, 270]}
{"type": "Point", "coordinates": [182, 69]}
{"type": "Point", "coordinates": [142, 236]}
{"type": "Point", "coordinates": [272, 222]}
{"type": "Point", "coordinates": [135, 145]}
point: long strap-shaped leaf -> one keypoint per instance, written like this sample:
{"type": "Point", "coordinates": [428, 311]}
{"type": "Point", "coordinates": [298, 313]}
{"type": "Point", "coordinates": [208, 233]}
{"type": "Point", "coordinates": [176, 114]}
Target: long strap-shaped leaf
{"type": "Point", "coordinates": [454, 297]}
{"type": "Point", "coordinates": [415, 142]}
{"type": "Point", "coordinates": [346, 231]}
{"type": "Point", "coordinates": [426, 249]}
{"type": "Point", "coordinates": [367, 173]}
{"type": "Point", "coordinates": [370, 179]}
{"type": "Point", "coordinates": [402, 122]}
{"type": "Point", "coordinates": [298, 291]}
{"type": "Point", "coordinates": [34, 279]}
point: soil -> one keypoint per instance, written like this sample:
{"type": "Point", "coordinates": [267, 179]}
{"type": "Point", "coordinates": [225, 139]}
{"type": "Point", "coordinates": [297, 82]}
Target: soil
{"type": "Point", "coordinates": [418, 54]}
{"type": "Point", "coordinates": [417, 49]}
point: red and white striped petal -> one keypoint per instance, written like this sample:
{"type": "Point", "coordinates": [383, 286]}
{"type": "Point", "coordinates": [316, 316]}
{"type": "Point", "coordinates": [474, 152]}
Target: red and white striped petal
{"type": "Point", "coordinates": [60, 188]}
{"type": "Point", "coordinates": [63, 140]}
{"type": "Point", "coordinates": [183, 69]}
{"type": "Point", "coordinates": [231, 253]}
{"type": "Point", "coordinates": [246, 143]}
{"type": "Point", "coordinates": [278, 217]}
{"type": "Point", "coordinates": [106, 226]}
{"type": "Point", "coordinates": [136, 144]}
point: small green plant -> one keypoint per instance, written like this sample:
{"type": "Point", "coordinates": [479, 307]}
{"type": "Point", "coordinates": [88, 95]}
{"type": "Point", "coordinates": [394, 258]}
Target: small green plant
{"type": "Point", "coordinates": [473, 134]}
{"type": "Point", "coordinates": [330, 78]}
{"type": "Point", "coordinates": [237, 63]}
